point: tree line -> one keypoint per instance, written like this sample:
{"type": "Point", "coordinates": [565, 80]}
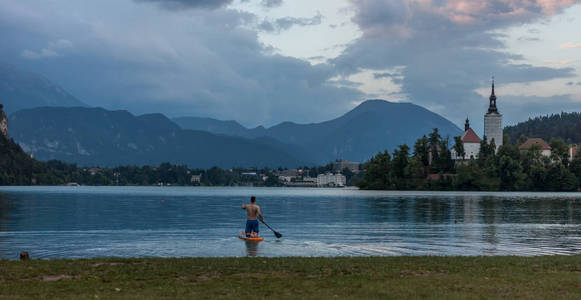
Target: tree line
{"type": "Point", "coordinates": [566, 126]}
{"type": "Point", "coordinates": [18, 168]}
{"type": "Point", "coordinates": [429, 166]}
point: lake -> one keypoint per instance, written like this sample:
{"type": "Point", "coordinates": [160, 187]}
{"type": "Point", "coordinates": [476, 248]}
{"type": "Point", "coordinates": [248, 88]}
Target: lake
{"type": "Point", "coordinates": [78, 222]}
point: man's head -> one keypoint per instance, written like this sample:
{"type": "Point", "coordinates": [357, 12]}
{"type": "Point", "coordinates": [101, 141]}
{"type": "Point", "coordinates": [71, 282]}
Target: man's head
{"type": "Point", "coordinates": [252, 199]}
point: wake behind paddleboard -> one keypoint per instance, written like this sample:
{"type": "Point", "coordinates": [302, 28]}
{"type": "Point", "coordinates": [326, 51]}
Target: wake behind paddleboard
{"type": "Point", "coordinates": [258, 239]}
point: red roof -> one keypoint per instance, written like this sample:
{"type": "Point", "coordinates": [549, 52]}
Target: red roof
{"type": "Point", "coordinates": [530, 142]}
{"type": "Point", "coordinates": [469, 136]}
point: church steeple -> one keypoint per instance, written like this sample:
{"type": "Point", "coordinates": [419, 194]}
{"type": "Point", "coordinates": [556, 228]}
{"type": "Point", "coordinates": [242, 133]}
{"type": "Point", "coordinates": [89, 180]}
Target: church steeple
{"type": "Point", "coordinates": [467, 125]}
{"type": "Point", "coordinates": [492, 107]}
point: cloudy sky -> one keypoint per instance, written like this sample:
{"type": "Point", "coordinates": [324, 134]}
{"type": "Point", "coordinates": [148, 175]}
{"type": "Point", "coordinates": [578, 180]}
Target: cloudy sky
{"type": "Point", "coordinates": [266, 61]}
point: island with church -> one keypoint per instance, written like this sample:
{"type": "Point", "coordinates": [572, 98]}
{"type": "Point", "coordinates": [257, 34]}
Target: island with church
{"type": "Point", "coordinates": [490, 163]}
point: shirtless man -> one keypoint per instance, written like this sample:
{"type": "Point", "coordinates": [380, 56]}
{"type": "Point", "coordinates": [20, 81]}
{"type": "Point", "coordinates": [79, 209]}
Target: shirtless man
{"type": "Point", "coordinates": [252, 223]}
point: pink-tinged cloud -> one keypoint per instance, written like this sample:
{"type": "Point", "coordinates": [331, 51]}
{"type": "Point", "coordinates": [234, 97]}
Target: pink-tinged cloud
{"type": "Point", "coordinates": [570, 45]}
{"type": "Point", "coordinates": [462, 11]}
{"type": "Point", "coordinates": [372, 14]}
{"type": "Point", "coordinates": [469, 12]}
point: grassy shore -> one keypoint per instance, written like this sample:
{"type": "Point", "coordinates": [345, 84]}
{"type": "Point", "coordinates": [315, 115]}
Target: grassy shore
{"type": "Point", "coordinates": [549, 277]}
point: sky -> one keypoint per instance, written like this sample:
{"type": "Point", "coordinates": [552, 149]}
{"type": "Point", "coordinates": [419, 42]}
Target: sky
{"type": "Point", "coordinates": [262, 62]}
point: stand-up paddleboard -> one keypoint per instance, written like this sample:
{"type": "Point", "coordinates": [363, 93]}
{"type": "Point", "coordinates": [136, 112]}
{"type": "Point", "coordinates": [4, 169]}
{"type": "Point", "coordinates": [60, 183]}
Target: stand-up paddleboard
{"type": "Point", "coordinates": [258, 239]}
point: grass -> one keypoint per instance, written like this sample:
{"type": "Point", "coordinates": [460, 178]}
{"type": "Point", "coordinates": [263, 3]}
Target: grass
{"type": "Point", "coordinates": [545, 277]}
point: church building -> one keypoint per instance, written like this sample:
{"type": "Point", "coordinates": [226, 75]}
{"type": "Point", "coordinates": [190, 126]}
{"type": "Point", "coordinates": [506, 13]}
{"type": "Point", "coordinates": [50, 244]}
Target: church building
{"type": "Point", "coordinates": [492, 131]}
{"type": "Point", "coordinates": [493, 122]}
{"type": "Point", "coordinates": [471, 143]}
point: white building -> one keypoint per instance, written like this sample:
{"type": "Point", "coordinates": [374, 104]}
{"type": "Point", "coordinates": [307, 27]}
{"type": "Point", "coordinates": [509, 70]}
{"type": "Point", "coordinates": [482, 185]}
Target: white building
{"type": "Point", "coordinates": [493, 122]}
{"type": "Point", "coordinates": [471, 143]}
{"type": "Point", "coordinates": [339, 166]}
{"type": "Point", "coordinates": [330, 179]}
{"type": "Point", "coordinates": [543, 146]}
{"type": "Point", "coordinates": [492, 131]}
{"type": "Point", "coordinates": [196, 178]}
{"type": "Point", "coordinates": [572, 152]}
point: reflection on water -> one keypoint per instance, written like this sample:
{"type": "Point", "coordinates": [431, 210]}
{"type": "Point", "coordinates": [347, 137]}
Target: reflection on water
{"type": "Point", "coordinates": [251, 248]}
{"type": "Point", "coordinates": [73, 222]}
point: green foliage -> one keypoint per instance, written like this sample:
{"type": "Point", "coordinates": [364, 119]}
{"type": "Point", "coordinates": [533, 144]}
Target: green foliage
{"type": "Point", "coordinates": [400, 175]}
{"type": "Point", "coordinates": [559, 150]}
{"type": "Point", "coordinates": [443, 161]}
{"type": "Point", "coordinates": [17, 168]}
{"type": "Point", "coordinates": [422, 150]}
{"type": "Point", "coordinates": [459, 147]}
{"type": "Point", "coordinates": [565, 126]}
{"type": "Point", "coordinates": [377, 173]}
{"type": "Point", "coordinates": [395, 277]}
{"type": "Point", "coordinates": [509, 169]}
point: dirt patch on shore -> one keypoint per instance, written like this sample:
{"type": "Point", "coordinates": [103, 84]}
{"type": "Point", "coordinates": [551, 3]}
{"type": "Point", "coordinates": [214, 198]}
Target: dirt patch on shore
{"type": "Point", "coordinates": [50, 278]}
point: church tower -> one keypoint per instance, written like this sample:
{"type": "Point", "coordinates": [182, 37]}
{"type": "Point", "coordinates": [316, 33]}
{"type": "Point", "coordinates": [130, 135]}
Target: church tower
{"type": "Point", "coordinates": [493, 121]}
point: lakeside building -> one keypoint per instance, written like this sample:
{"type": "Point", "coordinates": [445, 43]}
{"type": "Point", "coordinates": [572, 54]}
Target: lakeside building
{"type": "Point", "coordinates": [304, 182]}
{"type": "Point", "coordinates": [572, 152]}
{"type": "Point", "coordinates": [339, 166]}
{"type": "Point", "coordinates": [286, 179]}
{"type": "Point", "coordinates": [94, 171]}
{"type": "Point", "coordinates": [331, 180]}
{"type": "Point", "coordinates": [545, 148]}
{"type": "Point", "coordinates": [196, 179]}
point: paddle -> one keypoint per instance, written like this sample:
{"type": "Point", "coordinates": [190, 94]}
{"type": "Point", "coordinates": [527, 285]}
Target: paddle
{"type": "Point", "coordinates": [276, 233]}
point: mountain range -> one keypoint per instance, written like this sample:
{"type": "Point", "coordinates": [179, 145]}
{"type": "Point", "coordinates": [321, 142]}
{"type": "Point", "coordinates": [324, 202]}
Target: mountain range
{"type": "Point", "coordinates": [20, 90]}
{"type": "Point", "coordinates": [373, 126]}
{"type": "Point", "coordinates": [98, 137]}
{"type": "Point", "coordinates": [52, 124]}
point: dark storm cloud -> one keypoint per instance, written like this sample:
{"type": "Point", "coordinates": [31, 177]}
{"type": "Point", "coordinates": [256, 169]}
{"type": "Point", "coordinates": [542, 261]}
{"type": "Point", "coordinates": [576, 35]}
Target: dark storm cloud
{"type": "Point", "coordinates": [185, 4]}
{"type": "Point", "coordinates": [447, 49]}
{"type": "Point", "coordinates": [200, 63]}
{"type": "Point", "coordinates": [286, 23]}
{"type": "Point", "coordinates": [271, 3]}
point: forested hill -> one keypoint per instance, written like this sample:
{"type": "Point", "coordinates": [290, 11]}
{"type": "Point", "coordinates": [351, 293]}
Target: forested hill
{"type": "Point", "coordinates": [15, 165]}
{"type": "Point", "coordinates": [566, 126]}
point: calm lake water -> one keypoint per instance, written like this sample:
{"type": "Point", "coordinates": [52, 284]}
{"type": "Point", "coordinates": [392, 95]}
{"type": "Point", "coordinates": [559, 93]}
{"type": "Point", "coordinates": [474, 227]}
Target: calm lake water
{"type": "Point", "coordinates": [75, 222]}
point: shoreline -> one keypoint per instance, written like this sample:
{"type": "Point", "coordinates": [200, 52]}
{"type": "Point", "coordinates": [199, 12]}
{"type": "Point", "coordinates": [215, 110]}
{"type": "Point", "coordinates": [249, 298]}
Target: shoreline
{"type": "Point", "coordinates": [398, 277]}
{"type": "Point", "coordinates": [345, 188]}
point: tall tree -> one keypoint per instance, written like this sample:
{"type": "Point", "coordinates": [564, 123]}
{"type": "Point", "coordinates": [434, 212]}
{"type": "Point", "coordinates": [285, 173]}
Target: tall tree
{"type": "Point", "coordinates": [400, 161]}
{"type": "Point", "coordinates": [434, 142]}
{"type": "Point", "coordinates": [422, 149]}
{"type": "Point", "coordinates": [377, 172]}
{"type": "Point", "coordinates": [459, 147]}
{"type": "Point", "coordinates": [559, 151]}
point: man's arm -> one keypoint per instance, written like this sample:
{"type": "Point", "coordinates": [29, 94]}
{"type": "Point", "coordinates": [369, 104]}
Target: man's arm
{"type": "Point", "coordinates": [243, 206]}
{"type": "Point", "coordinates": [259, 214]}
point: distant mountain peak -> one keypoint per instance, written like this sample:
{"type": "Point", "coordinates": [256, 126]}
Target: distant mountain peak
{"type": "Point", "coordinates": [21, 89]}
{"type": "Point", "coordinates": [379, 103]}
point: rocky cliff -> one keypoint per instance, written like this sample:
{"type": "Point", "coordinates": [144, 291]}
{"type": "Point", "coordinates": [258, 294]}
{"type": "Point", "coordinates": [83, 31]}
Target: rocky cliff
{"type": "Point", "coordinates": [3, 122]}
